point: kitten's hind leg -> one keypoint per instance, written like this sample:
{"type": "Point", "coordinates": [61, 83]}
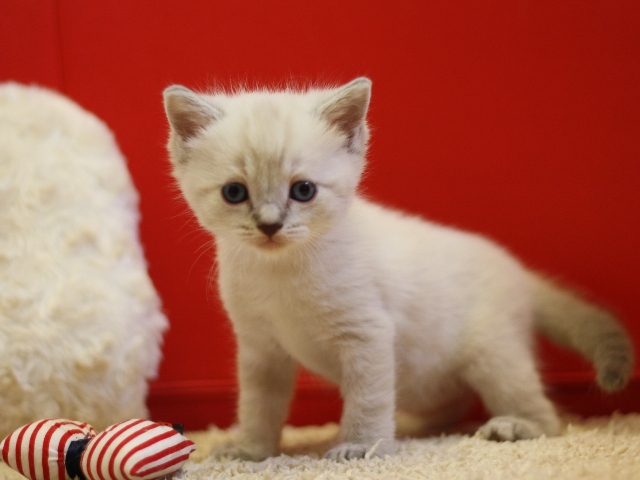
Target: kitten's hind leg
{"type": "Point", "coordinates": [510, 387]}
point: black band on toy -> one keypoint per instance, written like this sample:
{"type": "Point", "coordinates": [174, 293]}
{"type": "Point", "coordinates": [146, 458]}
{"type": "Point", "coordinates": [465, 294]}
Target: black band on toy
{"type": "Point", "coordinates": [178, 427]}
{"type": "Point", "coordinates": [72, 459]}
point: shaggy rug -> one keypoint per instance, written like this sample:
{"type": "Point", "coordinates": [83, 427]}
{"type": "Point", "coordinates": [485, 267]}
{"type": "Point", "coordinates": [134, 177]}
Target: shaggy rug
{"type": "Point", "coordinates": [601, 448]}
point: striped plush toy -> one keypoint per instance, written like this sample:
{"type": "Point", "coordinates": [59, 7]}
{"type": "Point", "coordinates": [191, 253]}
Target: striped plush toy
{"type": "Point", "coordinates": [64, 450]}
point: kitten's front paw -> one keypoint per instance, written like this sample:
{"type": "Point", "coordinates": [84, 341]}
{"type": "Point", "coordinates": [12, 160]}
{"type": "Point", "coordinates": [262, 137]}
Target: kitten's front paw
{"type": "Point", "coordinates": [509, 429]}
{"type": "Point", "coordinates": [242, 451]}
{"type": "Point", "coordinates": [349, 451]}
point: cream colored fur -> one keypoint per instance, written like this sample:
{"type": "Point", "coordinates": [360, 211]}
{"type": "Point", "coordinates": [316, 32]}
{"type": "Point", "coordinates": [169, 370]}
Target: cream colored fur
{"type": "Point", "coordinates": [399, 312]}
{"type": "Point", "coordinates": [80, 321]}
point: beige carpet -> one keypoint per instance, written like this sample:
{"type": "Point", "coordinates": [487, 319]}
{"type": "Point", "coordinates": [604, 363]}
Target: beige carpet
{"type": "Point", "coordinates": [598, 448]}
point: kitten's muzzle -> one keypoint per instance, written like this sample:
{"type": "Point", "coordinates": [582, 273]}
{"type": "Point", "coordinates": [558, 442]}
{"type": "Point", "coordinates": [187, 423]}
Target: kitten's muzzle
{"type": "Point", "coordinates": [269, 229]}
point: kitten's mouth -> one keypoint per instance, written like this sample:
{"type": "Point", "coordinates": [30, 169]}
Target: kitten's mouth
{"type": "Point", "coordinates": [271, 244]}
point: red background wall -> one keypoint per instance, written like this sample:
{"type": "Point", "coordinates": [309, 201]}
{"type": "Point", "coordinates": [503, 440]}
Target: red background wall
{"type": "Point", "coordinates": [520, 120]}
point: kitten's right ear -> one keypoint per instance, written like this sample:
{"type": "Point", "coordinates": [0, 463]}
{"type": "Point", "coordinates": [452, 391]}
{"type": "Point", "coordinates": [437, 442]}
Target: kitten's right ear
{"type": "Point", "coordinates": [187, 112]}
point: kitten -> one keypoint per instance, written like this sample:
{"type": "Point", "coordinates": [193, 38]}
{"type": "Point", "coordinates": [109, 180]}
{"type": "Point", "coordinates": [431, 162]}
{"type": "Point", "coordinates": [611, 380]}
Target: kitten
{"type": "Point", "coordinates": [399, 312]}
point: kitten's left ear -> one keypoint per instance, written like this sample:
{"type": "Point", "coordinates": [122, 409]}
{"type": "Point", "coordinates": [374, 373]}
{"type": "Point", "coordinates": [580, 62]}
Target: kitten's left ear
{"type": "Point", "coordinates": [187, 112]}
{"type": "Point", "coordinates": [347, 109]}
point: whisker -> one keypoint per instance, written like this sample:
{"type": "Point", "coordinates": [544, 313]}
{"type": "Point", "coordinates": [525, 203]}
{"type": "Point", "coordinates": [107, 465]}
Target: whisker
{"type": "Point", "coordinates": [204, 248]}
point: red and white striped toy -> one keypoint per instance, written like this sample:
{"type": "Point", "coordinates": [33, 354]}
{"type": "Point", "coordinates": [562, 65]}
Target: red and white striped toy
{"type": "Point", "coordinates": [38, 450]}
{"type": "Point", "coordinates": [63, 450]}
{"type": "Point", "coordinates": [135, 449]}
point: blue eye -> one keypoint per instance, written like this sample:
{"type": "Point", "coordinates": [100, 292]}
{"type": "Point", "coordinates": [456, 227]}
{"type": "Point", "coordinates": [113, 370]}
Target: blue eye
{"type": "Point", "coordinates": [235, 192]}
{"type": "Point", "coordinates": [302, 191]}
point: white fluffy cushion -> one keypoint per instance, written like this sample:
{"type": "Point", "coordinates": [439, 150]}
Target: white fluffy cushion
{"type": "Point", "coordinates": [80, 321]}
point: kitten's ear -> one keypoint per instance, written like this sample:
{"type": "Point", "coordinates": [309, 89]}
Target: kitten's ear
{"type": "Point", "coordinates": [347, 108]}
{"type": "Point", "coordinates": [187, 112]}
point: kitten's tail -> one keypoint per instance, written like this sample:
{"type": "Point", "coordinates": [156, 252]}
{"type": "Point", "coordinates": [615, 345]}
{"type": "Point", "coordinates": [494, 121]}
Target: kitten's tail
{"type": "Point", "coordinates": [589, 330]}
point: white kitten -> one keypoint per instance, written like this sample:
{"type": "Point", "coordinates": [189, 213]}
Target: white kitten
{"type": "Point", "coordinates": [399, 312]}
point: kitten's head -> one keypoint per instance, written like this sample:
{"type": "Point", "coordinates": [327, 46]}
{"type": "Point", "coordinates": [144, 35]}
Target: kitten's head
{"type": "Point", "coordinates": [269, 169]}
